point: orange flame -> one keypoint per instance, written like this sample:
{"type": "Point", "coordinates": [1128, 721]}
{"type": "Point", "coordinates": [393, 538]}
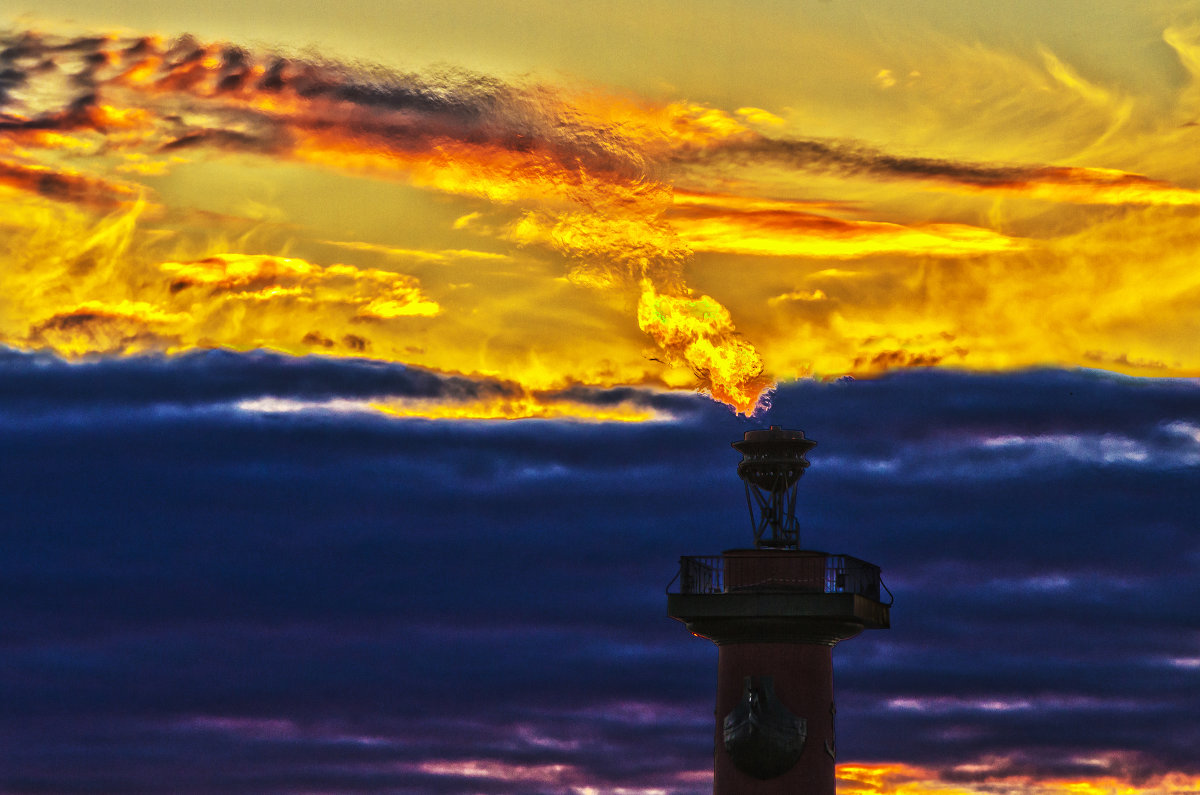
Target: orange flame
{"type": "Point", "coordinates": [699, 332]}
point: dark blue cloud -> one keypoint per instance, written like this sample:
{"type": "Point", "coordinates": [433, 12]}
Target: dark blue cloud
{"type": "Point", "coordinates": [218, 377]}
{"type": "Point", "coordinates": [239, 601]}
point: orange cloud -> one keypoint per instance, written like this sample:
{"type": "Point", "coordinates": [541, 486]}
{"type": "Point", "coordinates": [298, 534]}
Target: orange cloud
{"type": "Point", "coordinates": [527, 405]}
{"type": "Point", "coordinates": [989, 776]}
{"type": "Point", "coordinates": [1069, 184]}
{"type": "Point", "coordinates": [124, 327]}
{"type": "Point", "coordinates": [81, 288]}
{"type": "Point", "coordinates": [791, 233]}
{"type": "Point", "coordinates": [374, 293]}
{"type": "Point", "coordinates": [67, 185]}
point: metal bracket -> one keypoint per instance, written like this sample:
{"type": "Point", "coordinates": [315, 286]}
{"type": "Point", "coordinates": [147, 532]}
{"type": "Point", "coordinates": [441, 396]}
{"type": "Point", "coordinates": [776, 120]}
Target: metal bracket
{"type": "Point", "coordinates": [831, 744]}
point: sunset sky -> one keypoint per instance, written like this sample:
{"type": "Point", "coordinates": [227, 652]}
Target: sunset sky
{"type": "Point", "coordinates": [365, 368]}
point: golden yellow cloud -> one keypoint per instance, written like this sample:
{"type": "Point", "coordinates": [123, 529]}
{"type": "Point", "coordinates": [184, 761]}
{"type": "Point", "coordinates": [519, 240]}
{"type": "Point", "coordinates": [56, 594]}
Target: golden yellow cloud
{"type": "Point", "coordinates": [623, 241]}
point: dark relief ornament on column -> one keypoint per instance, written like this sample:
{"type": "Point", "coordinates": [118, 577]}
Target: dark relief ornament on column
{"type": "Point", "coordinates": [763, 738]}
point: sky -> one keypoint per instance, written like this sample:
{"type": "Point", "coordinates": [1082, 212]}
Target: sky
{"type": "Point", "coordinates": [363, 376]}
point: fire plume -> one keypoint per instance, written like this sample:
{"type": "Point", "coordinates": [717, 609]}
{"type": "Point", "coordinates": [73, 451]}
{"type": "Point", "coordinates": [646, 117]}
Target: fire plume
{"type": "Point", "coordinates": [699, 332]}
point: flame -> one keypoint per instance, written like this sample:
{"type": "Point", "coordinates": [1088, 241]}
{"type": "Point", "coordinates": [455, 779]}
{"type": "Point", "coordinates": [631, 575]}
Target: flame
{"type": "Point", "coordinates": [699, 332]}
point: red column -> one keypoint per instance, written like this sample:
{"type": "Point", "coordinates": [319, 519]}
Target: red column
{"type": "Point", "coordinates": [803, 675]}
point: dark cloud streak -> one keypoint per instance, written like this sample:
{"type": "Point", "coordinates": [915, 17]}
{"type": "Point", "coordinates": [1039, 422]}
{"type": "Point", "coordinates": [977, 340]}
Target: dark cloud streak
{"type": "Point", "coordinates": [401, 111]}
{"type": "Point", "coordinates": [848, 158]}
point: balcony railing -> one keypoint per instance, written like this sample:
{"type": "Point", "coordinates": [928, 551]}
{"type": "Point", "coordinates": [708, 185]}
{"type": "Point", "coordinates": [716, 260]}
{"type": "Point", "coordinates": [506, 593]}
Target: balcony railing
{"type": "Point", "coordinates": [772, 572]}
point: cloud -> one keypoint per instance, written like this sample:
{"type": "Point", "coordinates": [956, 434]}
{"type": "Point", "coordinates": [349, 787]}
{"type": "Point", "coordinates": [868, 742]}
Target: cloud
{"type": "Point", "coordinates": [1072, 184]}
{"type": "Point", "coordinates": [797, 234]}
{"type": "Point", "coordinates": [67, 185]}
{"type": "Point", "coordinates": [459, 133]}
{"type": "Point", "coordinates": [112, 298]}
{"type": "Point", "coordinates": [267, 383]}
{"type": "Point", "coordinates": [96, 326]}
{"type": "Point", "coordinates": [379, 294]}
{"type": "Point", "coordinates": [632, 202]}
{"type": "Point", "coordinates": [619, 195]}
{"type": "Point", "coordinates": [327, 571]}
{"type": "Point", "coordinates": [445, 256]}
{"type": "Point", "coordinates": [751, 225]}
{"type": "Point", "coordinates": [342, 597]}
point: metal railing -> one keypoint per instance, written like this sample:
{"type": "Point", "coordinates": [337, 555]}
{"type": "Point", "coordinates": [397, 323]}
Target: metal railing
{"type": "Point", "coordinates": [717, 574]}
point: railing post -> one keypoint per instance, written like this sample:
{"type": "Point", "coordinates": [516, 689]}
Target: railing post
{"type": "Point", "coordinates": [817, 573]}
